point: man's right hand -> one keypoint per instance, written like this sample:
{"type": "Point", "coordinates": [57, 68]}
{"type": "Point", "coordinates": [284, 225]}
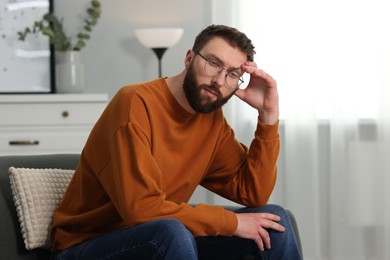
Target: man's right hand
{"type": "Point", "coordinates": [254, 226]}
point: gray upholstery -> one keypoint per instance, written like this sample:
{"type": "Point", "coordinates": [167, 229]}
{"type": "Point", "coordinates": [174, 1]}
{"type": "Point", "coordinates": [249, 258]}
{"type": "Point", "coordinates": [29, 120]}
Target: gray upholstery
{"type": "Point", "coordinates": [11, 243]}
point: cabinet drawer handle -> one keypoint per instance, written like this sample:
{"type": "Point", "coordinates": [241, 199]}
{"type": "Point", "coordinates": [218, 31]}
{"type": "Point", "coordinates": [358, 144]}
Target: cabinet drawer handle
{"type": "Point", "coordinates": [65, 114]}
{"type": "Point", "coordinates": [24, 142]}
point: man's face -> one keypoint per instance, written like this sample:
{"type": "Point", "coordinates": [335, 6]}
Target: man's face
{"type": "Point", "coordinates": [200, 102]}
{"type": "Point", "coordinates": [207, 93]}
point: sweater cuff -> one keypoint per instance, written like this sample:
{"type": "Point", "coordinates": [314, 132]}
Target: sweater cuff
{"type": "Point", "coordinates": [231, 223]}
{"type": "Point", "coordinates": [267, 132]}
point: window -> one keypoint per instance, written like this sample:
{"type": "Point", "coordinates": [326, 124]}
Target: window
{"type": "Point", "coordinates": [324, 54]}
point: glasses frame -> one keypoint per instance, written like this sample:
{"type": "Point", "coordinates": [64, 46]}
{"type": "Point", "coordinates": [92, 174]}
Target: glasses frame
{"type": "Point", "coordinates": [240, 80]}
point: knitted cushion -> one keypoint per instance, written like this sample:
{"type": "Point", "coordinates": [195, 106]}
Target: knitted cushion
{"type": "Point", "coordinates": [37, 193]}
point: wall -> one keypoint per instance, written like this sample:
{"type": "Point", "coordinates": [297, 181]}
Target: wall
{"type": "Point", "coordinates": [113, 56]}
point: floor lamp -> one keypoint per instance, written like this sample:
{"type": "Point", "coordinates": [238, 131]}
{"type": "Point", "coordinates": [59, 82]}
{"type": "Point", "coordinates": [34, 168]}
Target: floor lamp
{"type": "Point", "coordinates": [159, 40]}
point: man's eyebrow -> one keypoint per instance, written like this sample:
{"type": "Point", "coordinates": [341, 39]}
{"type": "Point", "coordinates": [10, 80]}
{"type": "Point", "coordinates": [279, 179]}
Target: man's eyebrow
{"type": "Point", "coordinates": [212, 56]}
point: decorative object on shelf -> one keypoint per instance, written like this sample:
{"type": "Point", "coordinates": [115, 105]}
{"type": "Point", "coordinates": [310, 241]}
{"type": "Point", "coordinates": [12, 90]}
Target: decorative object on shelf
{"type": "Point", "coordinates": [69, 70]}
{"type": "Point", "coordinates": [159, 40]}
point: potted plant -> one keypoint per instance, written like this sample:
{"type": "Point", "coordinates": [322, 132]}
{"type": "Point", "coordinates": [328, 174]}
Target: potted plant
{"type": "Point", "coordinates": [69, 70]}
{"type": "Point", "coordinates": [53, 28]}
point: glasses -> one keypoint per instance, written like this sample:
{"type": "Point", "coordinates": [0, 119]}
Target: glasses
{"type": "Point", "coordinates": [213, 67]}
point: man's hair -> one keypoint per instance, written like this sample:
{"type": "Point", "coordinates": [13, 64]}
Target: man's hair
{"type": "Point", "coordinates": [233, 36]}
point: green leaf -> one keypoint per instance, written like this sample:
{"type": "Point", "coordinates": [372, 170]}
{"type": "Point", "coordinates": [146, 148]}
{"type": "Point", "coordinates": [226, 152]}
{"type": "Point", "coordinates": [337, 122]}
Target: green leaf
{"type": "Point", "coordinates": [52, 27]}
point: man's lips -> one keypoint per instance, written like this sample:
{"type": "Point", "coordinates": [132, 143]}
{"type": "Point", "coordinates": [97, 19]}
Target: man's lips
{"type": "Point", "coordinates": [211, 92]}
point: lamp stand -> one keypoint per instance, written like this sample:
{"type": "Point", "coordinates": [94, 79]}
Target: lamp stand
{"type": "Point", "coordinates": [159, 53]}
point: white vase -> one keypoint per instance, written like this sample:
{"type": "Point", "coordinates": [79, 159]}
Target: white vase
{"type": "Point", "coordinates": [69, 72]}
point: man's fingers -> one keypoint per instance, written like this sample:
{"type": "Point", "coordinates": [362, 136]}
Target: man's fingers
{"type": "Point", "coordinates": [259, 242]}
{"type": "Point", "coordinates": [268, 216]}
{"type": "Point", "coordinates": [271, 224]}
{"type": "Point", "coordinates": [265, 238]}
{"type": "Point", "coordinates": [256, 226]}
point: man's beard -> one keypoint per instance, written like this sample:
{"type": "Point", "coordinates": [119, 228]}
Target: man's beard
{"type": "Point", "coordinates": [202, 103]}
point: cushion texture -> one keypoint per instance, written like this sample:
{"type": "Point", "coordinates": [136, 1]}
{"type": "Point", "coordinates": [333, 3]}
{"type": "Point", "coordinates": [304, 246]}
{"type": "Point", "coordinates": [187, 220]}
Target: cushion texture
{"type": "Point", "coordinates": [36, 194]}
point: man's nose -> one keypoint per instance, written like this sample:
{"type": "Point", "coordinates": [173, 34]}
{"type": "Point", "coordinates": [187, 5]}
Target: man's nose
{"type": "Point", "coordinates": [220, 78]}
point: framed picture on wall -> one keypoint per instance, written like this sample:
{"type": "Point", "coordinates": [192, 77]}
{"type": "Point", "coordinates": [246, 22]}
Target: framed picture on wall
{"type": "Point", "coordinates": [25, 66]}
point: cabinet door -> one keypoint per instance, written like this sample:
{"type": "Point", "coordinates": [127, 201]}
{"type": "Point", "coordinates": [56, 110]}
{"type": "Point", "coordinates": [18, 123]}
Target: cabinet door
{"type": "Point", "coordinates": [43, 140]}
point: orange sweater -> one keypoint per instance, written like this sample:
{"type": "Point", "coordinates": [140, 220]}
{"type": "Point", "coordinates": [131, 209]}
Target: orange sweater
{"type": "Point", "coordinates": [145, 157]}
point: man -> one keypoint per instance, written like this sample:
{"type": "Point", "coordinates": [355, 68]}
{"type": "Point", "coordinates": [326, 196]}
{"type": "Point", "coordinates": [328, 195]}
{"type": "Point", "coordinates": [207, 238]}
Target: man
{"type": "Point", "coordinates": [155, 143]}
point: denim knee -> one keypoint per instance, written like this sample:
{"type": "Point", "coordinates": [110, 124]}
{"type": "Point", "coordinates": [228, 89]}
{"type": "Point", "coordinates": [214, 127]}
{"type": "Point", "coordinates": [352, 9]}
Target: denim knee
{"type": "Point", "coordinates": [173, 229]}
{"type": "Point", "coordinates": [284, 244]}
{"type": "Point", "coordinates": [275, 209]}
{"type": "Point", "coordinates": [178, 240]}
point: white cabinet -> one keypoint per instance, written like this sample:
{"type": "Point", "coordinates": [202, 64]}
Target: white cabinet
{"type": "Point", "coordinates": [48, 123]}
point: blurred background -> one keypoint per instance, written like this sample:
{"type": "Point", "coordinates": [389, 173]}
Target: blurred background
{"type": "Point", "coordinates": [331, 60]}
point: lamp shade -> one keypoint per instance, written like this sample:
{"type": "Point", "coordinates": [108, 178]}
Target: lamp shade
{"type": "Point", "coordinates": [159, 37]}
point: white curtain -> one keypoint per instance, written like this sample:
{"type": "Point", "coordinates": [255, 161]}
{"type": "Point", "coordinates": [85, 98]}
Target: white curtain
{"type": "Point", "coordinates": [331, 60]}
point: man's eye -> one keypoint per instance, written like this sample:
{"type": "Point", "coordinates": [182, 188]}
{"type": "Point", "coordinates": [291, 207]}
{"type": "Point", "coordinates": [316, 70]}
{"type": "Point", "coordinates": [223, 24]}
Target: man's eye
{"type": "Point", "coordinates": [214, 63]}
{"type": "Point", "coordinates": [234, 75]}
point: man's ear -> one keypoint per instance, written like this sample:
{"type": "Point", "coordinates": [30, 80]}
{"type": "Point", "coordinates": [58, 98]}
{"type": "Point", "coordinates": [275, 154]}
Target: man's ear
{"type": "Point", "coordinates": [188, 59]}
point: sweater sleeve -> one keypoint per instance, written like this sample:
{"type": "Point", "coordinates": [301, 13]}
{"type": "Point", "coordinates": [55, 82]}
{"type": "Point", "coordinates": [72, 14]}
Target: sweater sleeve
{"type": "Point", "coordinates": [133, 183]}
{"type": "Point", "coordinates": [246, 176]}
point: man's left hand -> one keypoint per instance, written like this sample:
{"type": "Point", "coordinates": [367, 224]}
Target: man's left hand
{"type": "Point", "coordinates": [261, 93]}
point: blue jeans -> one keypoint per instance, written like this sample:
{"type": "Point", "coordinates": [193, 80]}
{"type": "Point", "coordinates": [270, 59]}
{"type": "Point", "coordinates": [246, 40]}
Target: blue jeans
{"type": "Point", "coordinates": [170, 239]}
